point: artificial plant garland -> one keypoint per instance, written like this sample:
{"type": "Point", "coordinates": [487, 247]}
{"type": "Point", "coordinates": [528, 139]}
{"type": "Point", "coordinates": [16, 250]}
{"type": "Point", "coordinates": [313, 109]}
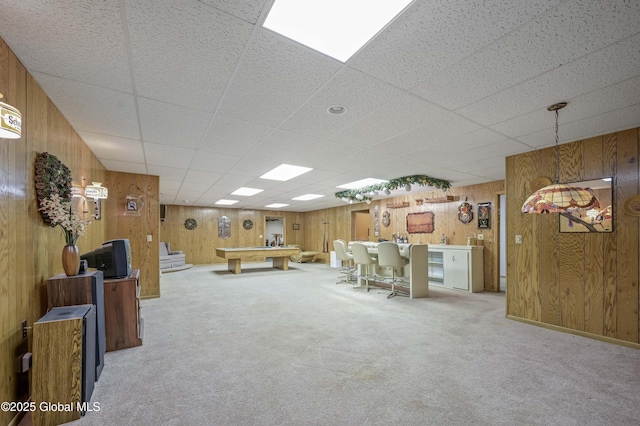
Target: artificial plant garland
{"type": "Point", "coordinates": [365, 192]}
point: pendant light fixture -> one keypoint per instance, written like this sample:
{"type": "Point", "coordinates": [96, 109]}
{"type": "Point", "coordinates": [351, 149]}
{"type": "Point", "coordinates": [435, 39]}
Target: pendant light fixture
{"type": "Point", "coordinates": [10, 121]}
{"type": "Point", "coordinates": [559, 197]}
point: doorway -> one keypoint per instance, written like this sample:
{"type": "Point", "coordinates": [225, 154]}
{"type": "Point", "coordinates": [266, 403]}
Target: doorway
{"type": "Point", "coordinates": [502, 241]}
{"type": "Point", "coordinates": [360, 225]}
{"type": "Point", "coordinates": [274, 231]}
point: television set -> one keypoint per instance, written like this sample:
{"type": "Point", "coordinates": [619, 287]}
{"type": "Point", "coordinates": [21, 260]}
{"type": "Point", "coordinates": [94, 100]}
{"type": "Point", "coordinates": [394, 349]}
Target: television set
{"type": "Point", "coordinates": [113, 258]}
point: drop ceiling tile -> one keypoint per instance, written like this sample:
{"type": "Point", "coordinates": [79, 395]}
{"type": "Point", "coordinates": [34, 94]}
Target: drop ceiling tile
{"type": "Point", "coordinates": [213, 162]}
{"type": "Point", "coordinates": [358, 92]}
{"type": "Point", "coordinates": [202, 176]}
{"type": "Point", "coordinates": [431, 36]}
{"type": "Point", "coordinates": [603, 68]}
{"type": "Point", "coordinates": [277, 75]}
{"type": "Point", "coordinates": [623, 94]}
{"type": "Point", "coordinates": [565, 33]}
{"type": "Point", "coordinates": [170, 125]}
{"type": "Point", "coordinates": [113, 148]}
{"type": "Point", "coordinates": [168, 198]}
{"type": "Point", "coordinates": [166, 155]}
{"type": "Point", "coordinates": [92, 108]}
{"type": "Point", "coordinates": [484, 167]}
{"type": "Point", "coordinates": [40, 25]}
{"type": "Point", "coordinates": [184, 53]}
{"type": "Point", "coordinates": [252, 167]}
{"type": "Point", "coordinates": [170, 173]}
{"type": "Point", "coordinates": [502, 148]}
{"type": "Point", "coordinates": [320, 176]}
{"type": "Point", "coordinates": [246, 10]}
{"type": "Point", "coordinates": [229, 136]}
{"type": "Point", "coordinates": [613, 121]}
{"type": "Point", "coordinates": [404, 112]}
{"type": "Point", "coordinates": [298, 149]}
{"type": "Point", "coordinates": [167, 185]}
{"type": "Point", "coordinates": [125, 166]}
{"type": "Point", "coordinates": [230, 182]}
{"type": "Point", "coordinates": [432, 135]}
{"type": "Point", "coordinates": [199, 187]}
{"type": "Point", "coordinates": [188, 197]}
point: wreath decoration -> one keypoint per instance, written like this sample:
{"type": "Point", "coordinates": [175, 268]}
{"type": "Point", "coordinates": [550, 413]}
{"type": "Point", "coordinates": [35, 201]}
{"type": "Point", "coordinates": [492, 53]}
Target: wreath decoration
{"type": "Point", "coordinates": [190, 224]}
{"type": "Point", "coordinates": [52, 178]}
{"type": "Point", "coordinates": [247, 224]}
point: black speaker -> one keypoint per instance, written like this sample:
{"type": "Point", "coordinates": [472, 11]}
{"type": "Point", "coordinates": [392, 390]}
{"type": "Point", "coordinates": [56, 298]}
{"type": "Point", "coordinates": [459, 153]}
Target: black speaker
{"type": "Point", "coordinates": [163, 212]}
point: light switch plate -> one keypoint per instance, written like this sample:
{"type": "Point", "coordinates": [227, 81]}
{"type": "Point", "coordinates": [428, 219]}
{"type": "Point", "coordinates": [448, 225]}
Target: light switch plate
{"type": "Point", "coordinates": [518, 239]}
{"type": "Point", "coordinates": [481, 236]}
{"type": "Point", "coordinates": [149, 238]}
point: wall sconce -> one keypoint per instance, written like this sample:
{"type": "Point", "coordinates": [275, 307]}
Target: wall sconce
{"type": "Point", "coordinates": [10, 121]}
{"type": "Point", "coordinates": [96, 191]}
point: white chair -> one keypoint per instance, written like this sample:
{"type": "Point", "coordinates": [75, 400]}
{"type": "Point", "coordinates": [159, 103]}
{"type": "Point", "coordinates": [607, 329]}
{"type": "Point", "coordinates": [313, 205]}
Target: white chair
{"type": "Point", "coordinates": [340, 247]}
{"type": "Point", "coordinates": [362, 258]}
{"type": "Point", "coordinates": [389, 257]}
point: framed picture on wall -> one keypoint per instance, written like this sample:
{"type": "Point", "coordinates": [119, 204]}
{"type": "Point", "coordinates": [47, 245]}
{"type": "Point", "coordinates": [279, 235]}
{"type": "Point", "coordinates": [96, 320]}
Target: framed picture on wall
{"type": "Point", "coordinates": [296, 226]}
{"type": "Point", "coordinates": [484, 215]}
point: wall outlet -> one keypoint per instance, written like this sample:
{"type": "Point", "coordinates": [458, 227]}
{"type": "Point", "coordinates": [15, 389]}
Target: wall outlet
{"type": "Point", "coordinates": [149, 238]}
{"type": "Point", "coordinates": [481, 236]}
{"type": "Point", "coordinates": [24, 328]}
{"type": "Point", "coordinates": [518, 239]}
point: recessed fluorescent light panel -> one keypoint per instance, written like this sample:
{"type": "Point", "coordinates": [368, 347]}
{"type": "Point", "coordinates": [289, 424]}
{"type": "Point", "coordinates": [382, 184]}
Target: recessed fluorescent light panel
{"type": "Point", "coordinates": [276, 205]}
{"type": "Point", "coordinates": [361, 183]}
{"type": "Point", "coordinates": [285, 172]}
{"type": "Point", "coordinates": [226, 202]}
{"type": "Point", "coordinates": [337, 28]}
{"type": "Point", "coordinates": [307, 197]}
{"type": "Point", "coordinates": [247, 192]}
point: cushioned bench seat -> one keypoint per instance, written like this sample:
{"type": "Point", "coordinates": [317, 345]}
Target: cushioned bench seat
{"type": "Point", "coordinates": [170, 259]}
{"type": "Point", "coordinates": [303, 256]}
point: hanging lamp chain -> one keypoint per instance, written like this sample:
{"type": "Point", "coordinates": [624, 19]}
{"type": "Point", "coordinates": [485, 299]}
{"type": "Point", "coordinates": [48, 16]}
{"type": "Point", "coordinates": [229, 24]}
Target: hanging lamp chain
{"type": "Point", "coordinates": [557, 152]}
{"type": "Point", "coordinates": [557, 107]}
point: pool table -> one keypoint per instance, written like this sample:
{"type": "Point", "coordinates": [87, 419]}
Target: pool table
{"type": "Point", "coordinates": [235, 255]}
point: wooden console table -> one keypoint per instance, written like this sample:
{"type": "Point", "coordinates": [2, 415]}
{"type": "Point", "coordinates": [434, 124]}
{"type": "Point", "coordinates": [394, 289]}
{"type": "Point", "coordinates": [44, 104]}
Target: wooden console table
{"type": "Point", "coordinates": [124, 325]}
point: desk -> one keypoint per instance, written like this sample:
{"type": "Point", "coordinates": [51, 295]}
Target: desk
{"type": "Point", "coordinates": [234, 256]}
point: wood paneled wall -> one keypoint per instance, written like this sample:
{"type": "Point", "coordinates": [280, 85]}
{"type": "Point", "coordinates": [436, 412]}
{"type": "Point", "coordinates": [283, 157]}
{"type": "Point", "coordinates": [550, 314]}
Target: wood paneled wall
{"type": "Point", "coordinates": [145, 255]}
{"type": "Point", "coordinates": [446, 222]}
{"type": "Point", "coordinates": [30, 251]}
{"type": "Point", "coordinates": [199, 244]}
{"type": "Point", "coordinates": [585, 283]}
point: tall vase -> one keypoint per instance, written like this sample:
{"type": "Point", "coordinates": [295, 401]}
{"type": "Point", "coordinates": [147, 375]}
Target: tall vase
{"type": "Point", "coordinates": [71, 260]}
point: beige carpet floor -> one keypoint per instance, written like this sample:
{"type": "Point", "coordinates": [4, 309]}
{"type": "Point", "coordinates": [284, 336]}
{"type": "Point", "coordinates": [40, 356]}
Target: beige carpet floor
{"type": "Point", "coordinates": [271, 347]}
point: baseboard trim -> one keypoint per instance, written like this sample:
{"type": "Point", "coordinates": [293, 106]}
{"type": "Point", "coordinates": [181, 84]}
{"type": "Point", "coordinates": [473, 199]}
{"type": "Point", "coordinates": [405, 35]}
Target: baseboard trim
{"type": "Point", "coordinates": [576, 332]}
{"type": "Point", "coordinates": [17, 419]}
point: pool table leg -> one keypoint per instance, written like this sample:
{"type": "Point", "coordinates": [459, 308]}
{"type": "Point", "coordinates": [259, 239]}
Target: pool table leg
{"type": "Point", "coordinates": [281, 263]}
{"type": "Point", "coordinates": [234, 265]}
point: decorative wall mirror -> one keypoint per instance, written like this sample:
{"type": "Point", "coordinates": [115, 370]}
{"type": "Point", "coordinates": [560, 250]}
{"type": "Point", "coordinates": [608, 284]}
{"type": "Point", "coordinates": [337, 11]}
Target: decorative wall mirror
{"type": "Point", "coordinates": [595, 219]}
{"type": "Point", "coordinates": [224, 227]}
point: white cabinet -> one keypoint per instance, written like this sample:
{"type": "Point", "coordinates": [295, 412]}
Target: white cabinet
{"type": "Point", "coordinates": [457, 267]}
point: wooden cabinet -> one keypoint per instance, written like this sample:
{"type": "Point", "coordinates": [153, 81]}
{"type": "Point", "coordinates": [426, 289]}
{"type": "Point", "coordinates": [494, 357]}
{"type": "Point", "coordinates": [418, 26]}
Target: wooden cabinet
{"type": "Point", "coordinates": [80, 290]}
{"type": "Point", "coordinates": [457, 267]}
{"type": "Point", "coordinates": [124, 325]}
{"type": "Point", "coordinates": [63, 364]}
